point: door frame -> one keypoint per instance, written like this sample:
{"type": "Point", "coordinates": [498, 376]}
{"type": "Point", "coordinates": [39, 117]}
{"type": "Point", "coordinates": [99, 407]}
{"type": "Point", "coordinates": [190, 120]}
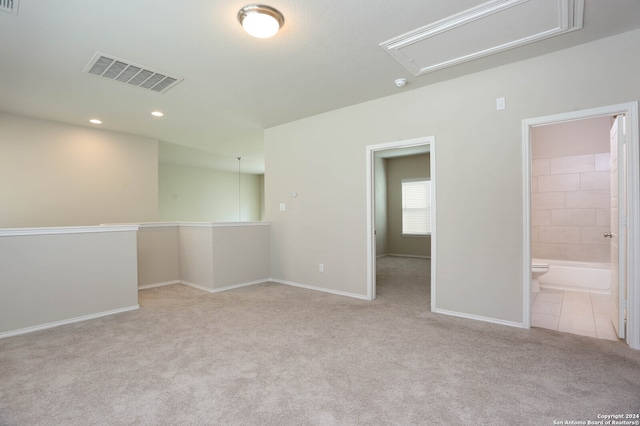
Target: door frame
{"type": "Point", "coordinates": [632, 173]}
{"type": "Point", "coordinates": [370, 191]}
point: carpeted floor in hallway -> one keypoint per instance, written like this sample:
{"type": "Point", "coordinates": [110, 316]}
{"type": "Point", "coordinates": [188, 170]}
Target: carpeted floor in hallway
{"type": "Point", "coordinates": [272, 354]}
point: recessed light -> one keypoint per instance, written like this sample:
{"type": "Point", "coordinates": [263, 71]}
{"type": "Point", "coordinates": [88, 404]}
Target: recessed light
{"type": "Point", "coordinates": [95, 121]}
{"type": "Point", "coordinates": [157, 114]}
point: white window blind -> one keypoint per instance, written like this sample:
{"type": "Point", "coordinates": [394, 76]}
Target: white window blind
{"type": "Point", "coordinates": [416, 207]}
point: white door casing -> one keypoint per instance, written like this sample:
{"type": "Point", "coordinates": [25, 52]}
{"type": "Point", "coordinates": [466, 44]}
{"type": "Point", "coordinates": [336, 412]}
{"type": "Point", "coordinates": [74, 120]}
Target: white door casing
{"type": "Point", "coordinates": [371, 248]}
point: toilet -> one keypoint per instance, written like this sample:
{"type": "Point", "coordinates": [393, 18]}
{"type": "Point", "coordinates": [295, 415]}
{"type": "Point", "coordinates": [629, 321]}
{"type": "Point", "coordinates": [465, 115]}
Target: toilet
{"type": "Point", "coordinates": [537, 269]}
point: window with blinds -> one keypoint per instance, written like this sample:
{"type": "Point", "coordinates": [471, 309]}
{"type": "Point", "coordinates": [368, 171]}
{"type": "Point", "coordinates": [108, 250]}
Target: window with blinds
{"type": "Point", "coordinates": [416, 207]}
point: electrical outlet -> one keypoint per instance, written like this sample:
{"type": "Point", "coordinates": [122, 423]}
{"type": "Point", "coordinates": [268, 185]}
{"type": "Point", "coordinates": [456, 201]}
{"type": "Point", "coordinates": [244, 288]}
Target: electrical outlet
{"type": "Point", "coordinates": [283, 207]}
{"type": "Point", "coordinates": [321, 267]}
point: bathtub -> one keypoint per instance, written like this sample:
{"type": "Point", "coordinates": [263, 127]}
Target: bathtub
{"type": "Point", "coordinates": [576, 276]}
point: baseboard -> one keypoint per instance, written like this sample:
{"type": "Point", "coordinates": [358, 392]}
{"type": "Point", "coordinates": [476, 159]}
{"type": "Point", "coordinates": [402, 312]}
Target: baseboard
{"type": "Point", "coordinates": [199, 287]}
{"type": "Point", "coordinates": [324, 290]}
{"type": "Point", "coordinates": [246, 284]}
{"type": "Point", "coordinates": [64, 322]}
{"type": "Point", "coordinates": [154, 285]}
{"type": "Point", "coordinates": [231, 287]}
{"type": "Point", "coordinates": [226, 288]}
{"type": "Point", "coordinates": [479, 318]}
{"type": "Point", "coordinates": [408, 255]}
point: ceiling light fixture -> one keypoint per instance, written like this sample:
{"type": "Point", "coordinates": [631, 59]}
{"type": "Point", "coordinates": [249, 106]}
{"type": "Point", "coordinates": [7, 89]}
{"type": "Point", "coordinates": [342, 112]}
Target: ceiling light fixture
{"type": "Point", "coordinates": [260, 20]}
{"type": "Point", "coordinates": [95, 121]}
{"type": "Point", "coordinates": [157, 114]}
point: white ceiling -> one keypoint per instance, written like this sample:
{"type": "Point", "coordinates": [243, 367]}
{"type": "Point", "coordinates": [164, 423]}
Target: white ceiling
{"type": "Point", "coordinates": [327, 56]}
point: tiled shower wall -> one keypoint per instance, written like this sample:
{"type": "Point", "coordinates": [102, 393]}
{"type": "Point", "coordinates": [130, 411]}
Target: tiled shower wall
{"type": "Point", "coordinates": [570, 191]}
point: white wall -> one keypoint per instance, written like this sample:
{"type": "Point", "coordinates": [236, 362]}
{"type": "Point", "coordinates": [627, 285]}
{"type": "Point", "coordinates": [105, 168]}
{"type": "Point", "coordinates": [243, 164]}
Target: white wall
{"type": "Point", "coordinates": [194, 194]}
{"type": "Point", "coordinates": [158, 254]}
{"type": "Point", "coordinates": [479, 176]}
{"type": "Point", "coordinates": [53, 174]}
{"type": "Point", "coordinates": [240, 255]}
{"type": "Point", "coordinates": [209, 256]}
{"type": "Point", "coordinates": [195, 250]}
{"type": "Point", "coordinates": [55, 275]}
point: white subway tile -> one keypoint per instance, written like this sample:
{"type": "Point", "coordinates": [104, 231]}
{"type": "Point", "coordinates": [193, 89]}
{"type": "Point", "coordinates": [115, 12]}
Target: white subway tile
{"type": "Point", "coordinates": [595, 236]}
{"type": "Point", "coordinates": [557, 183]}
{"type": "Point", "coordinates": [559, 234]}
{"type": "Point", "coordinates": [573, 217]}
{"type": "Point", "coordinates": [540, 217]}
{"type": "Point", "coordinates": [588, 253]}
{"type": "Point", "coordinates": [548, 200]}
{"type": "Point", "coordinates": [597, 199]}
{"type": "Point", "coordinates": [540, 167]}
{"type": "Point", "coordinates": [573, 164]}
{"type": "Point", "coordinates": [548, 251]}
{"type": "Point", "coordinates": [603, 162]}
{"type": "Point", "coordinates": [595, 180]}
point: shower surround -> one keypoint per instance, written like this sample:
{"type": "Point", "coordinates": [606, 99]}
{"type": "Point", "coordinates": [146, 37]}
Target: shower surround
{"type": "Point", "coordinates": [570, 191]}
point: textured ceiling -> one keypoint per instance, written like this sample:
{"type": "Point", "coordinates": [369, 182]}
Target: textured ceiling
{"type": "Point", "coordinates": [327, 56]}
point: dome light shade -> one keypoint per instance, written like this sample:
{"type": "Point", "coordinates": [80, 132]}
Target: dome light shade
{"type": "Point", "coordinates": [260, 21]}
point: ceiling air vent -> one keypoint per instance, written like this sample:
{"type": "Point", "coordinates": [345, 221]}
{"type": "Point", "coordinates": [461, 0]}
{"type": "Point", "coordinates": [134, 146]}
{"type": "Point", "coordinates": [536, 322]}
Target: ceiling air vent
{"type": "Point", "coordinates": [10, 6]}
{"type": "Point", "coordinates": [127, 72]}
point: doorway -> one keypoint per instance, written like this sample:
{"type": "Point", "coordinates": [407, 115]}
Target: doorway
{"type": "Point", "coordinates": [405, 148]}
{"type": "Point", "coordinates": [627, 286]}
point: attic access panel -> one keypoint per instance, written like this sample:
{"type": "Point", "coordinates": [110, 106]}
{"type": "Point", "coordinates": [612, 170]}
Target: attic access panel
{"type": "Point", "coordinates": [490, 28]}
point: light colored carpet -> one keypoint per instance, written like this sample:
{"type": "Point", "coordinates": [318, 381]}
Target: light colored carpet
{"type": "Point", "coordinates": [277, 355]}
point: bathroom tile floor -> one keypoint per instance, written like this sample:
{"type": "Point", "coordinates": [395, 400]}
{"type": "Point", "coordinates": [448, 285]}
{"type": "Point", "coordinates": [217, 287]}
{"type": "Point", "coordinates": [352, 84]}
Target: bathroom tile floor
{"type": "Point", "coordinates": [573, 312]}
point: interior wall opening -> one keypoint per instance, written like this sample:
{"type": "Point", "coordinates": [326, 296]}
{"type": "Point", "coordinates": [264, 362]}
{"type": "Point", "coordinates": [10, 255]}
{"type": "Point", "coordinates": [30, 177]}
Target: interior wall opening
{"type": "Point", "coordinates": [566, 206]}
{"type": "Point", "coordinates": [570, 219]}
{"type": "Point", "coordinates": [401, 219]}
{"type": "Point", "coordinates": [403, 238]}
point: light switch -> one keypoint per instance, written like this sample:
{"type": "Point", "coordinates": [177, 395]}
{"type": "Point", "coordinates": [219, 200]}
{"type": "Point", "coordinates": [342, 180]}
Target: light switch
{"type": "Point", "coordinates": [500, 104]}
{"type": "Point", "coordinates": [283, 207]}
